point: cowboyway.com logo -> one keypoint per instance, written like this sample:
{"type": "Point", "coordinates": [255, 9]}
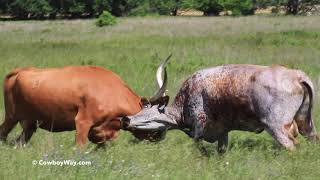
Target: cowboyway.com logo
{"type": "Point", "coordinates": [68, 162]}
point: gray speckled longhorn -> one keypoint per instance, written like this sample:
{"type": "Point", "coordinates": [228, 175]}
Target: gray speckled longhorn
{"type": "Point", "coordinates": [254, 98]}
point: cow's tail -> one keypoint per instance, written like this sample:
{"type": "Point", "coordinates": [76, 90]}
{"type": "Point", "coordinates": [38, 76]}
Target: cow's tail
{"type": "Point", "coordinates": [309, 93]}
{"type": "Point", "coordinates": [307, 104]}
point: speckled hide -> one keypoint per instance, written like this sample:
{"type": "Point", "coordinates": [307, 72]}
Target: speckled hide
{"type": "Point", "coordinates": [254, 98]}
{"type": "Point", "coordinates": [217, 100]}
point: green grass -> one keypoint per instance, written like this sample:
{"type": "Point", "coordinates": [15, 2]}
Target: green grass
{"type": "Point", "coordinates": [133, 49]}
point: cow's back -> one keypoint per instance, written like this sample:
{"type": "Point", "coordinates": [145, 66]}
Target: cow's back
{"type": "Point", "coordinates": [218, 82]}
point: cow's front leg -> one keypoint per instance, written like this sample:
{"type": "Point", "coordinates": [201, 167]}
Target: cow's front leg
{"type": "Point", "coordinates": [83, 125]}
{"type": "Point", "coordinates": [223, 143]}
{"type": "Point", "coordinates": [201, 147]}
{"type": "Point", "coordinates": [200, 120]}
{"type": "Point", "coordinates": [82, 133]}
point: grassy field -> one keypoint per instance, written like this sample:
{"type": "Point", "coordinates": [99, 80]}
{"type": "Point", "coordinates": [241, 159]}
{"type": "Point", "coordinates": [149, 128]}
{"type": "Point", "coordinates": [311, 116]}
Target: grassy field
{"type": "Point", "coordinates": [133, 49]}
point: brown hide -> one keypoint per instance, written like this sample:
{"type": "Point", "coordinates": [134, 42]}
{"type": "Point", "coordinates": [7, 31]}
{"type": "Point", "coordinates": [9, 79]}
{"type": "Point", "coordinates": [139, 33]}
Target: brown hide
{"type": "Point", "coordinates": [69, 98]}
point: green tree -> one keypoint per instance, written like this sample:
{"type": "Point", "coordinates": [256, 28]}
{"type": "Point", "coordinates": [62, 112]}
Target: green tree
{"type": "Point", "coordinates": [165, 7]}
{"type": "Point", "coordinates": [239, 7]}
{"type": "Point", "coordinates": [295, 7]}
{"type": "Point", "coordinates": [100, 5]}
{"type": "Point", "coordinates": [142, 9]}
{"type": "Point", "coordinates": [29, 8]}
{"type": "Point", "coordinates": [265, 3]}
{"type": "Point", "coordinates": [124, 7]}
{"type": "Point", "coordinates": [3, 6]}
{"type": "Point", "coordinates": [209, 7]}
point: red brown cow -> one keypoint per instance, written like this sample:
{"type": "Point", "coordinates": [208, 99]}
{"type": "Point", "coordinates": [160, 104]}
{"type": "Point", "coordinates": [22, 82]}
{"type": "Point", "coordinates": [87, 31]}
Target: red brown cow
{"type": "Point", "coordinates": [87, 99]}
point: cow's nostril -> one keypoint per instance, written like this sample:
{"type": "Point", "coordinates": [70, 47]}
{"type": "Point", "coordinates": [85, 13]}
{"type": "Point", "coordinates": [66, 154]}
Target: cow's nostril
{"type": "Point", "coordinates": [125, 123]}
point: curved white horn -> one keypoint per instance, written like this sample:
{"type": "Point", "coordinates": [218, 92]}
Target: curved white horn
{"type": "Point", "coordinates": [162, 83]}
{"type": "Point", "coordinates": [160, 70]}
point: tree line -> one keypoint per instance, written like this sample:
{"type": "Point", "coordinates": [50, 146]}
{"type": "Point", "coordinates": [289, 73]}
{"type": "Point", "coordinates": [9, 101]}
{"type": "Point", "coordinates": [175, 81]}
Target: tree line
{"type": "Point", "coordinates": [37, 9]}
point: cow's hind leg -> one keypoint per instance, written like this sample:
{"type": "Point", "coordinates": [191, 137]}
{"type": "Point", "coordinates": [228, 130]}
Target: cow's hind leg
{"type": "Point", "coordinates": [293, 132]}
{"type": "Point", "coordinates": [276, 128]}
{"type": "Point", "coordinates": [279, 109]}
{"type": "Point", "coordinates": [6, 127]}
{"type": "Point", "coordinates": [279, 120]}
{"type": "Point", "coordinates": [28, 128]}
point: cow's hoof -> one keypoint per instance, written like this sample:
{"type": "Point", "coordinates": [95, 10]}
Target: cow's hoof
{"type": "Point", "coordinates": [291, 148]}
{"type": "Point", "coordinates": [314, 138]}
{"type": "Point", "coordinates": [222, 151]}
{"type": "Point", "coordinates": [19, 146]}
{"type": "Point", "coordinates": [94, 149]}
{"type": "Point", "coordinates": [3, 139]}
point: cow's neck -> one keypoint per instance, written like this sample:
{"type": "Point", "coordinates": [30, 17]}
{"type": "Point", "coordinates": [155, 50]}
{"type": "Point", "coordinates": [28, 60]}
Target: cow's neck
{"type": "Point", "coordinates": [175, 112]}
{"type": "Point", "coordinates": [175, 116]}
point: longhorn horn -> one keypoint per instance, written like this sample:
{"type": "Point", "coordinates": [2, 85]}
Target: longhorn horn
{"type": "Point", "coordinates": [162, 83]}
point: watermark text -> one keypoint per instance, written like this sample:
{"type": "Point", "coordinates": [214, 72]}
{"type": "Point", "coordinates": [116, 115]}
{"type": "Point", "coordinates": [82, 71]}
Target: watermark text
{"type": "Point", "coordinates": [68, 162]}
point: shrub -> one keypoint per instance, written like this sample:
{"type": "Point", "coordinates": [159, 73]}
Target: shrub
{"type": "Point", "coordinates": [106, 19]}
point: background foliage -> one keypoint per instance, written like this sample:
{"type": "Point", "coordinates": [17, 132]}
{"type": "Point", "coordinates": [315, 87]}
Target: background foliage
{"type": "Point", "coordinates": [133, 49]}
{"type": "Point", "coordinates": [39, 9]}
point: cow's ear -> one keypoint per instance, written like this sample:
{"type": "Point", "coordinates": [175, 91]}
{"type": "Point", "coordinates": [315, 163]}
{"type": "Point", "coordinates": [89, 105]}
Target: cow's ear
{"type": "Point", "coordinates": [161, 101]}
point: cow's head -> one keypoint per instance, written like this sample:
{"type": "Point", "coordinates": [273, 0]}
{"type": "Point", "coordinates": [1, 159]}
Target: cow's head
{"type": "Point", "coordinates": [110, 129]}
{"type": "Point", "coordinates": [151, 122]}
{"type": "Point", "coordinates": [101, 133]}
{"type": "Point", "coordinates": [159, 99]}
{"type": "Point", "coordinates": [142, 134]}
